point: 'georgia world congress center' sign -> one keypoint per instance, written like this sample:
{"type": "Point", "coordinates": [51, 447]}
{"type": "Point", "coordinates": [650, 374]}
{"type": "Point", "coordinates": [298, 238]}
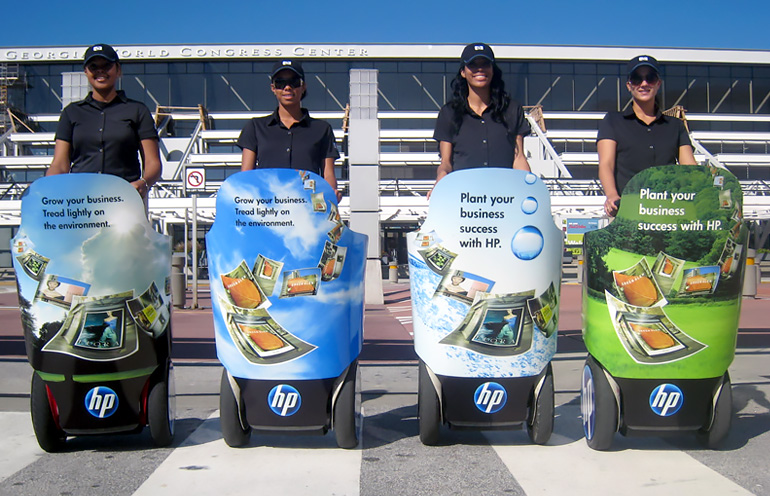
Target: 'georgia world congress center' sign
{"type": "Point", "coordinates": [380, 51]}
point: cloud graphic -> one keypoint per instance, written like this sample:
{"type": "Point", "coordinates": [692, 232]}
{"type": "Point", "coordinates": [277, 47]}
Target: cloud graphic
{"type": "Point", "coordinates": [307, 227]}
{"type": "Point", "coordinates": [133, 257]}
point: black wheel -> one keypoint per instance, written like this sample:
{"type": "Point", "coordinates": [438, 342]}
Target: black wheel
{"type": "Point", "coordinates": [345, 411]}
{"type": "Point", "coordinates": [723, 413]}
{"type": "Point", "coordinates": [235, 434]}
{"type": "Point", "coordinates": [598, 406]}
{"type": "Point", "coordinates": [160, 415]}
{"type": "Point", "coordinates": [540, 418]}
{"type": "Point", "coordinates": [428, 408]}
{"type": "Point", "coordinates": [48, 434]}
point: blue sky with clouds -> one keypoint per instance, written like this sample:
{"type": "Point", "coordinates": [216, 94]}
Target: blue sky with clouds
{"type": "Point", "coordinates": [654, 23]}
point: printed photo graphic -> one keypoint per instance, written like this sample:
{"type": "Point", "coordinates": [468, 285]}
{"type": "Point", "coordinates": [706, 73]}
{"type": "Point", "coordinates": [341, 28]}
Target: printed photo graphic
{"type": "Point", "coordinates": [426, 239]}
{"type": "Point", "coordinates": [97, 329]}
{"type": "Point", "coordinates": [308, 184]}
{"type": "Point", "coordinates": [500, 328]}
{"type": "Point", "coordinates": [60, 291]}
{"type": "Point", "coordinates": [266, 272]}
{"type": "Point", "coordinates": [666, 270]}
{"type": "Point", "coordinates": [497, 325]}
{"type": "Point", "coordinates": [544, 311]}
{"type": "Point", "coordinates": [725, 199]}
{"type": "Point", "coordinates": [730, 259]}
{"type": "Point", "coordinates": [33, 263]}
{"type": "Point", "coordinates": [463, 286]}
{"type": "Point", "coordinates": [242, 288]}
{"type": "Point", "coordinates": [336, 233]}
{"type": "Point", "coordinates": [149, 312]}
{"type": "Point", "coordinates": [334, 214]}
{"type": "Point", "coordinates": [332, 260]}
{"type": "Point", "coordinates": [261, 339]}
{"type": "Point", "coordinates": [301, 282]}
{"type": "Point", "coordinates": [636, 286]}
{"type": "Point", "coordinates": [101, 331]}
{"type": "Point", "coordinates": [699, 281]}
{"type": "Point", "coordinates": [318, 202]}
{"type": "Point", "coordinates": [648, 335]}
{"type": "Point", "coordinates": [438, 258]}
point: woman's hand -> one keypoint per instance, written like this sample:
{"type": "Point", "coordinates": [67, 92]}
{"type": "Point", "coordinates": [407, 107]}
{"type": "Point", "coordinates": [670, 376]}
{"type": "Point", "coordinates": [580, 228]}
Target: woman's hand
{"type": "Point", "coordinates": [141, 187]}
{"type": "Point", "coordinates": [611, 205]}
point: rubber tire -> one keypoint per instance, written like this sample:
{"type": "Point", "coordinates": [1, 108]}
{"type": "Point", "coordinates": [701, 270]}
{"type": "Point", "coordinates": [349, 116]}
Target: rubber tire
{"type": "Point", "coordinates": [603, 404]}
{"type": "Point", "coordinates": [229, 417]}
{"type": "Point", "coordinates": [428, 408]}
{"type": "Point", "coordinates": [723, 414]}
{"type": "Point", "coordinates": [49, 436]}
{"type": "Point", "coordinates": [159, 415]}
{"type": "Point", "coordinates": [345, 411]}
{"type": "Point", "coordinates": [540, 425]}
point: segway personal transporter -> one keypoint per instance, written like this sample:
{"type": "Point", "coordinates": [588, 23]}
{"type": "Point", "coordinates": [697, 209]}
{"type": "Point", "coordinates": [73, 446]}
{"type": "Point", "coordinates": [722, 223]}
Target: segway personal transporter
{"type": "Point", "coordinates": [287, 293]}
{"type": "Point", "coordinates": [94, 292]}
{"type": "Point", "coordinates": [485, 273]}
{"type": "Point", "coordinates": [661, 304]}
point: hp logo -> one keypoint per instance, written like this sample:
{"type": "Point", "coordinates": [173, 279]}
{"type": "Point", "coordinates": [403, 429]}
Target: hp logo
{"type": "Point", "coordinates": [490, 397]}
{"type": "Point", "coordinates": [666, 400]}
{"type": "Point", "coordinates": [284, 400]}
{"type": "Point", "coordinates": [101, 402]}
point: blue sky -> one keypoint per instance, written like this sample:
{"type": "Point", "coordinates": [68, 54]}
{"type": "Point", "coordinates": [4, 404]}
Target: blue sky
{"type": "Point", "coordinates": [652, 23]}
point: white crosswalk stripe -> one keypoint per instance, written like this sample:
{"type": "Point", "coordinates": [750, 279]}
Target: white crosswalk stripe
{"type": "Point", "coordinates": [19, 447]}
{"type": "Point", "coordinates": [631, 472]}
{"type": "Point", "coordinates": [204, 464]}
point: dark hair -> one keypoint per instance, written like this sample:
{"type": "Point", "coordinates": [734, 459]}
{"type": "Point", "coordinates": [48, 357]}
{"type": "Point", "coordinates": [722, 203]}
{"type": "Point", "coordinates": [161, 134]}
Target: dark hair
{"type": "Point", "coordinates": [499, 99]}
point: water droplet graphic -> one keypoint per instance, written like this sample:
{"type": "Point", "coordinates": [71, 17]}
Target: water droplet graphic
{"type": "Point", "coordinates": [527, 243]}
{"type": "Point", "coordinates": [530, 178]}
{"type": "Point", "coordinates": [529, 205]}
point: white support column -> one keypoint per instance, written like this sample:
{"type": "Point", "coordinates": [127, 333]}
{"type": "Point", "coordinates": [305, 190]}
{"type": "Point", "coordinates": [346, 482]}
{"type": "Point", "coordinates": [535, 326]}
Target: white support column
{"type": "Point", "coordinates": [364, 158]}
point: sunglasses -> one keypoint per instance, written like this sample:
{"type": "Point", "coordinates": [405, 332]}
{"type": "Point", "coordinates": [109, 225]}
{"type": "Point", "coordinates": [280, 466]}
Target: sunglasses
{"type": "Point", "coordinates": [281, 83]}
{"type": "Point", "coordinates": [106, 66]}
{"type": "Point", "coordinates": [636, 79]}
{"type": "Point", "coordinates": [479, 63]}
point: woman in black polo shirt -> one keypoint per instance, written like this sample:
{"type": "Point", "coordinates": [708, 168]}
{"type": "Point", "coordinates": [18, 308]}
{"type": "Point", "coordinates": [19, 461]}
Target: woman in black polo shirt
{"type": "Point", "coordinates": [641, 137]}
{"type": "Point", "coordinates": [106, 132]}
{"type": "Point", "coordinates": [289, 137]}
{"type": "Point", "coordinates": [481, 126]}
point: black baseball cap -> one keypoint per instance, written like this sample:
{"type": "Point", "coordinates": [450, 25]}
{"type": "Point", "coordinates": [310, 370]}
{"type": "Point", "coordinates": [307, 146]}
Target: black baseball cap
{"type": "Point", "coordinates": [642, 60]}
{"type": "Point", "coordinates": [101, 50]}
{"type": "Point", "coordinates": [475, 50]}
{"type": "Point", "coordinates": [292, 65]}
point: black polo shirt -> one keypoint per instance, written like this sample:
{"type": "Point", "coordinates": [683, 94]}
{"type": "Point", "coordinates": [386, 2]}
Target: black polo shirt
{"type": "Point", "coordinates": [304, 146]}
{"type": "Point", "coordinates": [106, 137]}
{"type": "Point", "coordinates": [481, 141]}
{"type": "Point", "coordinates": [639, 145]}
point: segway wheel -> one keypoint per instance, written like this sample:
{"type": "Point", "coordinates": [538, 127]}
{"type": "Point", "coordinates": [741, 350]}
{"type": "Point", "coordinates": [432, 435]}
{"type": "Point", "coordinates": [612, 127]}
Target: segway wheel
{"type": "Point", "coordinates": [49, 436]}
{"type": "Point", "coordinates": [598, 406]}
{"type": "Point", "coordinates": [428, 408]}
{"type": "Point", "coordinates": [160, 416]}
{"type": "Point", "coordinates": [723, 412]}
{"type": "Point", "coordinates": [233, 431]}
{"type": "Point", "coordinates": [540, 418]}
{"type": "Point", "coordinates": [345, 411]}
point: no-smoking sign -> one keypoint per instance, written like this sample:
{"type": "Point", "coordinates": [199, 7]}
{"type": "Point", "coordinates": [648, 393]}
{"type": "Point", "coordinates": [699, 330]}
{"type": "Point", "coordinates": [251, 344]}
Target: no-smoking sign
{"type": "Point", "coordinates": [196, 178]}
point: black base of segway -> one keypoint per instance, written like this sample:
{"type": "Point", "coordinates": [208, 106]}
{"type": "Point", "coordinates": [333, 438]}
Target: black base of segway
{"type": "Point", "coordinates": [313, 414]}
{"type": "Point", "coordinates": [460, 409]}
{"type": "Point", "coordinates": [653, 407]}
{"type": "Point", "coordinates": [289, 407]}
{"type": "Point", "coordinates": [638, 417]}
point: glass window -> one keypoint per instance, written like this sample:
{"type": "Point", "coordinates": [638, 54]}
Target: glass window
{"type": "Point", "coordinates": [132, 68]}
{"type": "Point", "coordinates": [156, 68]}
